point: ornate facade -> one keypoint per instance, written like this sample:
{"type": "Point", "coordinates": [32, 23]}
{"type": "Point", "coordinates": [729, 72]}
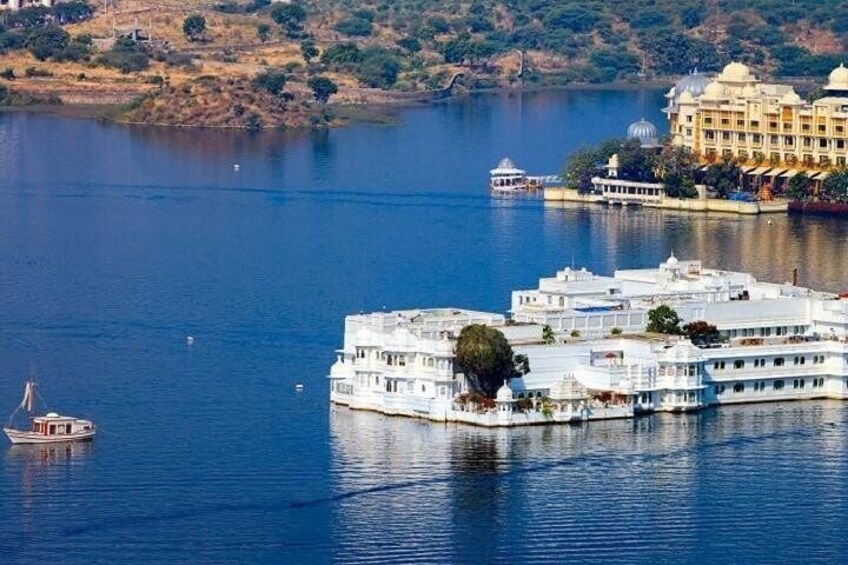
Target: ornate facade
{"type": "Point", "coordinates": [766, 126]}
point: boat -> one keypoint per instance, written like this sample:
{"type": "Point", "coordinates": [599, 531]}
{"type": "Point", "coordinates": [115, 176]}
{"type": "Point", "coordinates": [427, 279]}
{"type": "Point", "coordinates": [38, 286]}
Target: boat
{"type": "Point", "coordinates": [50, 428]}
{"type": "Point", "coordinates": [506, 177]}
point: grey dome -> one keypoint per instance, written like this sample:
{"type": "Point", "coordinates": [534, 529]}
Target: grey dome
{"type": "Point", "coordinates": [642, 130]}
{"type": "Point", "coordinates": [694, 83]}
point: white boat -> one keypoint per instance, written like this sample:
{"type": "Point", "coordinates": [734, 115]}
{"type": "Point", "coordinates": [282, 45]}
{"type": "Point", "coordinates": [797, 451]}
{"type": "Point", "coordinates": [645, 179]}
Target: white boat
{"type": "Point", "coordinates": [506, 177]}
{"type": "Point", "coordinates": [50, 428]}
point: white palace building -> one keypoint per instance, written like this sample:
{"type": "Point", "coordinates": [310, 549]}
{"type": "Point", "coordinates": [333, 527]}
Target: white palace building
{"type": "Point", "coordinates": [780, 342]}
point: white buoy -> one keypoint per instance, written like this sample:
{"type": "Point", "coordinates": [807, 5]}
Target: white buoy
{"type": "Point", "coordinates": [189, 340]}
{"type": "Point", "coordinates": [769, 222]}
{"type": "Point", "coordinates": [298, 387]}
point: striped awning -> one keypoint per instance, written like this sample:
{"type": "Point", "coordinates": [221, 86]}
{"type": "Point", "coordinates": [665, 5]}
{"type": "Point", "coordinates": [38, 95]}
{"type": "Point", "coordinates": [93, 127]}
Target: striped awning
{"type": "Point", "coordinates": [746, 170]}
{"type": "Point", "coordinates": [820, 176]}
{"type": "Point", "coordinates": [775, 172]}
{"type": "Point", "coordinates": [759, 170]}
{"type": "Point", "coordinates": [789, 174]}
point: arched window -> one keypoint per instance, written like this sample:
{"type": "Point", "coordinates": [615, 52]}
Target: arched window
{"type": "Point", "coordinates": [739, 387]}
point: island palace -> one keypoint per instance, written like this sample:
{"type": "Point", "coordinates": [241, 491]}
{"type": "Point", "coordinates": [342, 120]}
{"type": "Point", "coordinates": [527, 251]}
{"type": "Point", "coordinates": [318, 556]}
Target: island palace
{"type": "Point", "coordinates": [780, 342]}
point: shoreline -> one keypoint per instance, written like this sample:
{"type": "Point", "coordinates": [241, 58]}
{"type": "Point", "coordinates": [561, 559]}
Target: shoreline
{"type": "Point", "coordinates": [366, 112]}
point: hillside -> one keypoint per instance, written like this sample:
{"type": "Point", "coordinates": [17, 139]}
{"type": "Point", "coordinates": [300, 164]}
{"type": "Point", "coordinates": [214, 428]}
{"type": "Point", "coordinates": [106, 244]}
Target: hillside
{"type": "Point", "coordinates": [383, 52]}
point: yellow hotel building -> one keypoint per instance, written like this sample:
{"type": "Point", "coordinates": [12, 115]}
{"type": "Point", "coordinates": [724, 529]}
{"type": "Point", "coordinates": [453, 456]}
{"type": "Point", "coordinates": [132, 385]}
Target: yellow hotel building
{"type": "Point", "coordinates": [767, 127]}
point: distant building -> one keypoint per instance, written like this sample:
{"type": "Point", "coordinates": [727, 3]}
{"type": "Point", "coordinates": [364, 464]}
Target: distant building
{"type": "Point", "coordinates": [18, 4]}
{"type": "Point", "coordinates": [769, 128]}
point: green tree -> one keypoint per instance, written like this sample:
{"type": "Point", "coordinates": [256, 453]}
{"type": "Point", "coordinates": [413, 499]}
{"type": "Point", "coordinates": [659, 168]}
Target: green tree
{"type": "Point", "coordinates": [71, 12]}
{"type": "Point", "coordinates": [702, 333]}
{"type": "Point", "coordinates": [723, 176]}
{"type": "Point", "coordinates": [676, 169]}
{"type": "Point", "coordinates": [342, 54]}
{"type": "Point", "coordinates": [663, 320]}
{"type": "Point", "coordinates": [308, 50]}
{"type": "Point", "coordinates": [290, 17]}
{"type": "Point", "coordinates": [322, 88]}
{"type": "Point", "coordinates": [263, 32]}
{"type": "Point", "coordinates": [580, 168]}
{"type": "Point", "coordinates": [799, 187]}
{"type": "Point", "coordinates": [835, 187]}
{"type": "Point", "coordinates": [379, 69]}
{"type": "Point", "coordinates": [194, 27]}
{"type": "Point", "coordinates": [635, 163]}
{"type": "Point", "coordinates": [548, 335]}
{"type": "Point", "coordinates": [354, 26]}
{"type": "Point", "coordinates": [486, 358]}
{"type": "Point", "coordinates": [47, 42]}
{"type": "Point", "coordinates": [270, 81]}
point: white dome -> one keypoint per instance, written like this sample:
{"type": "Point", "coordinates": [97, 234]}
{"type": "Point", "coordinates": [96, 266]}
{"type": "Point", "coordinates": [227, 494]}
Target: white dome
{"type": "Point", "coordinates": [504, 393]}
{"type": "Point", "coordinates": [791, 98]}
{"type": "Point", "coordinates": [506, 163]}
{"type": "Point", "coordinates": [672, 260]}
{"type": "Point", "coordinates": [686, 98]}
{"type": "Point", "coordinates": [645, 132]}
{"type": "Point", "coordinates": [838, 79]}
{"type": "Point", "coordinates": [736, 72]}
{"type": "Point", "coordinates": [714, 90]}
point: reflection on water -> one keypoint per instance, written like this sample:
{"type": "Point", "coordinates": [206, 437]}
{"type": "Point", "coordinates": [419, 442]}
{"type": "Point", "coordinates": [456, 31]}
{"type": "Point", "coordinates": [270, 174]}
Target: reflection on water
{"type": "Point", "coordinates": [770, 246]}
{"type": "Point", "coordinates": [589, 493]}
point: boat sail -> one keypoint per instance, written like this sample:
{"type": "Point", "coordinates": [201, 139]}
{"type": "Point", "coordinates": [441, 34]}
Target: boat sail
{"type": "Point", "coordinates": [50, 428]}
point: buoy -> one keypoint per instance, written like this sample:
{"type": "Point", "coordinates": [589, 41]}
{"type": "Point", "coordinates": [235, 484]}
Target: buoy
{"type": "Point", "coordinates": [298, 387]}
{"type": "Point", "coordinates": [189, 340]}
{"type": "Point", "coordinates": [769, 222]}
{"type": "Point", "coordinates": [236, 167]}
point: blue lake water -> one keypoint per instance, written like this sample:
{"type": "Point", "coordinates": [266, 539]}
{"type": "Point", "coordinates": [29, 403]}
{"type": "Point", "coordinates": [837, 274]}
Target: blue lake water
{"type": "Point", "coordinates": [116, 243]}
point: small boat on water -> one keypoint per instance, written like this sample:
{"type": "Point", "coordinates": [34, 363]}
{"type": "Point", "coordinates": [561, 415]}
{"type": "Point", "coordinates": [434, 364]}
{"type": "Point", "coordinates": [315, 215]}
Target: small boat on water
{"type": "Point", "coordinates": [506, 177]}
{"type": "Point", "coordinates": [50, 428]}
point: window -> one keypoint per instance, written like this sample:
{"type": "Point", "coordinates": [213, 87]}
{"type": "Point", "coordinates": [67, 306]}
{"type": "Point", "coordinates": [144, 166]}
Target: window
{"type": "Point", "coordinates": [779, 361]}
{"type": "Point", "coordinates": [718, 365]}
{"type": "Point", "coordinates": [739, 387]}
{"type": "Point", "coordinates": [777, 385]}
{"type": "Point", "coordinates": [739, 364]}
{"type": "Point", "coordinates": [719, 389]}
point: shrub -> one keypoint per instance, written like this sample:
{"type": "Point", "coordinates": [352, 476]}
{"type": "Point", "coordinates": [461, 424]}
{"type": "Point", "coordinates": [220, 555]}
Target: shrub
{"type": "Point", "coordinates": [342, 54]}
{"type": "Point", "coordinates": [126, 55]}
{"type": "Point", "coordinates": [47, 42]}
{"type": "Point", "coordinates": [270, 81]}
{"type": "Point", "coordinates": [355, 27]}
{"type": "Point", "coordinates": [194, 27]}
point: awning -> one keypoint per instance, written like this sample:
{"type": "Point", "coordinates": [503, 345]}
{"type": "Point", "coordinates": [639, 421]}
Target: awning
{"type": "Point", "coordinates": [759, 170]}
{"type": "Point", "coordinates": [790, 173]}
{"type": "Point", "coordinates": [746, 170]}
{"type": "Point", "coordinates": [820, 176]}
{"type": "Point", "coordinates": [775, 172]}
{"type": "Point", "coordinates": [704, 168]}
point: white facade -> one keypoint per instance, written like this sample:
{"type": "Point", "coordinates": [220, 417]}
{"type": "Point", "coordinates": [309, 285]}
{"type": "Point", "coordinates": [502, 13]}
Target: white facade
{"type": "Point", "coordinates": [780, 342]}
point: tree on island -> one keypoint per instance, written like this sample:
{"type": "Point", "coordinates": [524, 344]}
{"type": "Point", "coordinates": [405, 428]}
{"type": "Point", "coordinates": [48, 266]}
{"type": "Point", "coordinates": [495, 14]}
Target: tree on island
{"type": "Point", "coordinates": [634, 163]}
{"type": "Point", "coordinates": [485, 356]}
{"type": "Point", "coordinates": [702, 333]}
{"type": "Point", "coordinates": [194, 27]}
{"type": "Point", "coordinates": [322, 88]}
{"type": "Point", "coordinates": [588, 162]}
{"type": "Point", "coordinates": [663, 320]}
{"type": "Point", "coordinates": [799, 187]}
{"type": "Point", "coordinates": [676, 169]}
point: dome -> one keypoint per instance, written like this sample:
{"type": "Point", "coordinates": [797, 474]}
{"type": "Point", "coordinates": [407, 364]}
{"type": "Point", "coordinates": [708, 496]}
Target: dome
{"type": "Point", "coordinates": [736, 72]}
{"type": "Point", "coordinates": [838, 79]}
{"type": "Point", "coordinates": [791, 98]}
{"type": "Point", "coordinates": [671, 261]}
{"type": "Point", "coordinates": [504, 393]}
{"type": "Point", "coordinates": [506, 163]}
{"type": "Point", "coordinates": [694, 83]}
{"type": "Point", "coordinates": [686, 98]}
{"type": "Point", "coordinates": [714, 90]}
{"type": "Point", "coordinates": [641, 130]}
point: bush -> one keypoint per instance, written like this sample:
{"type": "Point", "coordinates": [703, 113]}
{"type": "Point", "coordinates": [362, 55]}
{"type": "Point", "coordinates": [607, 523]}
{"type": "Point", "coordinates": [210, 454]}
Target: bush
{"type": "Point", "coordinates": [47, 42]}
{"type": "Point", "coordinates": [71, 12]}
{"type": "Point", "coordinates": [270, 81]}
{"type": "Point", "coordinates": [342, 54]}
{"type": "Point", "coordinates": [290, 17]}
{"type": "Point", "coordinates": [379, 69]}
{"type": "Point", "coordinates": [322, 88]}
{"type": "Point", "coordinates": [126, 55]}
{"type": "Point", "coordinates": [194, 27]}
{"type": "Point", "coordinates": [354, 27]}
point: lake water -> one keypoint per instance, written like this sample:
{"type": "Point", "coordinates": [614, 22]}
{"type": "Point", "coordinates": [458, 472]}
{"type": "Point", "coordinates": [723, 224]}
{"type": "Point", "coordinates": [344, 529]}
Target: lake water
{"type": "Point", "coordinates": [116, 243]}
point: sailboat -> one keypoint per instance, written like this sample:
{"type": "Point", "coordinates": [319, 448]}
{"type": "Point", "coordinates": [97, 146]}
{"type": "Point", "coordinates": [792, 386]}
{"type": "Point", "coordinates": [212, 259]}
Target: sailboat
{"type": "Point", "coordinates": [50, 428]}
